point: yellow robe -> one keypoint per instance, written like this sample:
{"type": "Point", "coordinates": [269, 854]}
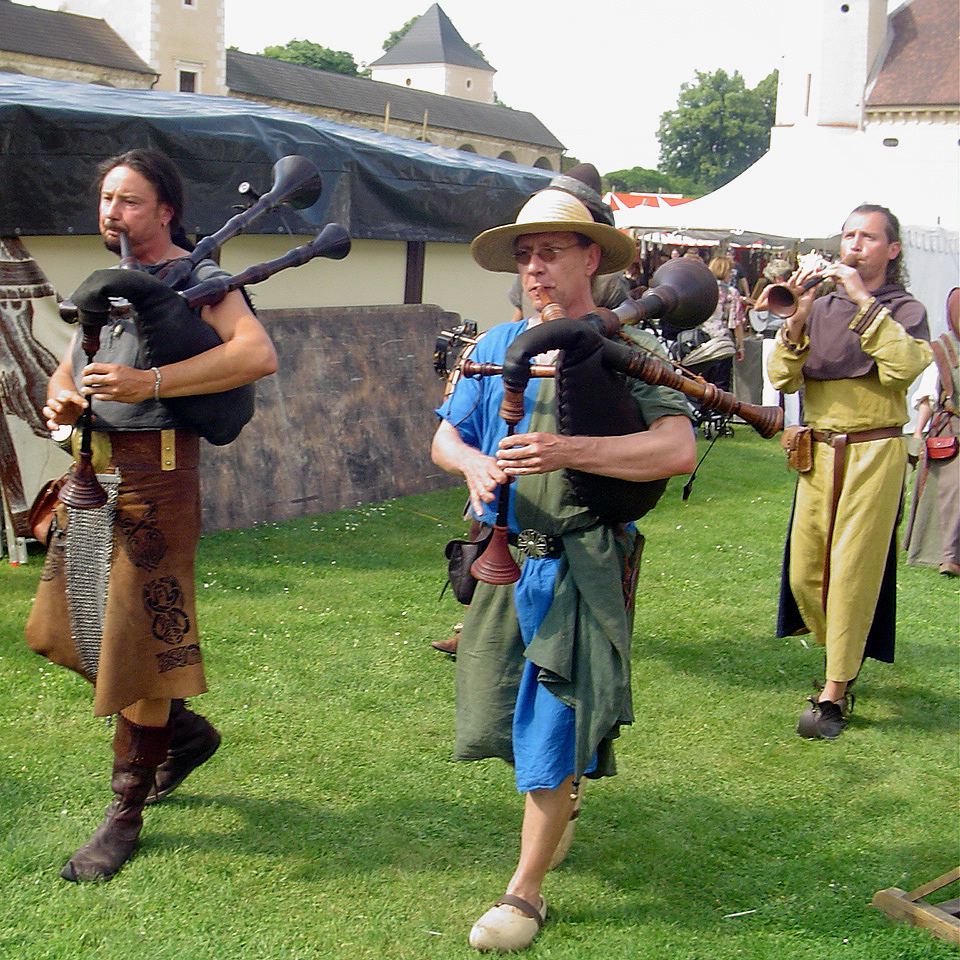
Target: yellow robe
{"type": "Point", "coordinates": [869, 503]}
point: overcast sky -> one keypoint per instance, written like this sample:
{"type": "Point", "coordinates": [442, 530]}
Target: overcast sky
{"type": "Point", "coordinates": [598, 74]}
{"type": "Point", "coordinates": [599, 83]}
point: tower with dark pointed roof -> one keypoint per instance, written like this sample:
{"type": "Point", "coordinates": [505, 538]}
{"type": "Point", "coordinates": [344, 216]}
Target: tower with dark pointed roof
{"type": "Point", "coordinates": [433, 56]}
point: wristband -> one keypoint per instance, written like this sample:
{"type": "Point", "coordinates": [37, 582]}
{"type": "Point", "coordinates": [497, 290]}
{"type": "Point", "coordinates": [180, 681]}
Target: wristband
{"type": "Point", "coordinates": [156, 382]}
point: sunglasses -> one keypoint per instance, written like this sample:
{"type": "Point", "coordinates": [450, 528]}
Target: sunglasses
{"type": "Point", "coordinates": [546, 254]}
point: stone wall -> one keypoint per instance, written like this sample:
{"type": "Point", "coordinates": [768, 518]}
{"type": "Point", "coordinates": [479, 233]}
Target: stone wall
{"type": "Point", "coordinates": [347, 419]}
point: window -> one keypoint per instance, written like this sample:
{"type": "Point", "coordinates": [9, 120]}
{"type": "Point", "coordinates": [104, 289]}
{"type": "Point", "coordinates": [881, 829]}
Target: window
{"type": "Point", "coordinates": [188, 81]}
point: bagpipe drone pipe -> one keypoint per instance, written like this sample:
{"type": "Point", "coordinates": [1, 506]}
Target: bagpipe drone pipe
{"type": "Point", "coordinates": [168, 320]}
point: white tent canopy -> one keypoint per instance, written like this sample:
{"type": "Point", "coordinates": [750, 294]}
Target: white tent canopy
{"type": "Point", "coordinates": [792, 195]}
{"type": "Point", "coordinates": [800, 192]}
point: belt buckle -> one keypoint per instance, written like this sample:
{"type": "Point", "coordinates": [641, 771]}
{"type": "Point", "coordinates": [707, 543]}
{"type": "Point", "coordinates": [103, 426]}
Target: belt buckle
{"type": "Point", "coordinates": [168, 449]}
{"type": "Point", "coordinates": [532, 543]}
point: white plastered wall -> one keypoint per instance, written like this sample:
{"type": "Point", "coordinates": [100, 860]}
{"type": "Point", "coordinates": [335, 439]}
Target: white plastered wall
{"type": "Point", "coordinates": [372, 273]}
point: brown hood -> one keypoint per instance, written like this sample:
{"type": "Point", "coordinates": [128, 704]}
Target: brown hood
{"type": "Point", "coordinates": [835, 352]}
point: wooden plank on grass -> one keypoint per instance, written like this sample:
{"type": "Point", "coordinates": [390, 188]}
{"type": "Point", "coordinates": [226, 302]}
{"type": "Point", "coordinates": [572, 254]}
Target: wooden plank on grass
{"type": "Point", "coordinates": [939, 919]}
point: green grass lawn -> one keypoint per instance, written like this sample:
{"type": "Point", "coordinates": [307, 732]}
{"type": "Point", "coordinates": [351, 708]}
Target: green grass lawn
{"type": "Point", "coordinates": [334, 824]}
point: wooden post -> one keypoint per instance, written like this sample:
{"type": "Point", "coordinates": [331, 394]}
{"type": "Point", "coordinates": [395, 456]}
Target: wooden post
{"type": "Point", "coordinates": [941, 919]}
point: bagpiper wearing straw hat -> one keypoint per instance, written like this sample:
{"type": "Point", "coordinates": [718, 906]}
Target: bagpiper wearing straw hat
{"type": "Point", "coordinates": [543, 665]}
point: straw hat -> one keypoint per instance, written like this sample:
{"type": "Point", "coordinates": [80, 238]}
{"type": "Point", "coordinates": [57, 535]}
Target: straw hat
{"type": "Point", "coordinates": [583, 181]}
{"type": "Point", "coordinates": [552, 211]}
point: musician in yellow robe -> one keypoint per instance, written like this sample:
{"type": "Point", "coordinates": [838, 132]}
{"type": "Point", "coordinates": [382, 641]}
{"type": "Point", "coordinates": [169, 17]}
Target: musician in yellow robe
{"type": "Point", "coordinates": [854, 353]}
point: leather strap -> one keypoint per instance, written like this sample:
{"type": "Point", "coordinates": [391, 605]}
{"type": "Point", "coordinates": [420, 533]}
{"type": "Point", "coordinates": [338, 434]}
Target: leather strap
{"type": "Point", "coordinates": [946, 397]}
{"type": "Point", "coordinates": [861, 436]}
{"type": "Point", "coordinates": [528, 908]}
{"type": "Point", "coordinates": [155, 449]}
{"type": "Point", "coordinates": [839, 443]}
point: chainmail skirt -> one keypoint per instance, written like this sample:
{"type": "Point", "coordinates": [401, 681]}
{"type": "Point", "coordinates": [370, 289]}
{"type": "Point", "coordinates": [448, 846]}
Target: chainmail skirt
{"type": "Point", "coordinates": [148, 644]}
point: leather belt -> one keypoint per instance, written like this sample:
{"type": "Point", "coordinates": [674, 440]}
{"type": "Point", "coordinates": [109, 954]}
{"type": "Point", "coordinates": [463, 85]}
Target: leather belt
{"type": "Point", "coordinates": [861, 436]}
{"type": "Point", "coordinates": [839, 443]}
{"type": "Point", "coordinates": [536, 545]}
{"type": "Point", "coordinates": [155, 449]}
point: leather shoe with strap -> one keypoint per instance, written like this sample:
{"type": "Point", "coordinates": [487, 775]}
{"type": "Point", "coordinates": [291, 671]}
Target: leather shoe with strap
{"type": "Point", "coordinates": [509, 925]}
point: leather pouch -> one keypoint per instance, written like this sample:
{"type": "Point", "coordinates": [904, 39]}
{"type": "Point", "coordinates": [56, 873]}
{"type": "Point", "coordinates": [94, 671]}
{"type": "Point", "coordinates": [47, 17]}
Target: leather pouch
{"type": "Point", "coordinates": [798, 443]}
{"type": "Point", "coordinates": [460, 556]}
{"type": "Point", "coordinates": [941, 448]}
{"type": "Point", "coordinates": [40, 515]}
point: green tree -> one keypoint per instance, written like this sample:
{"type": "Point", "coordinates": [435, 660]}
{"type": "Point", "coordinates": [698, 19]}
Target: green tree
{"type": "Point", "coordinates": [718, 129]}
{"type": "Point", "coordinates": [310, 54]}
{"type": "Point", "coordinates": [399, 34]}
{"type": "Point", "coordinates": [642, 180]}
{"type": "Point", "coordinates": [767, 88]}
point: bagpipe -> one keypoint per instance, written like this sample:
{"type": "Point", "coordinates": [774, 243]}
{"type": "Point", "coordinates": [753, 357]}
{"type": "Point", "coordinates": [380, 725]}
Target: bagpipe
{"type": "Point", "coordinates": [593, 398]}
{"type": "Point", "coordinates": [168, 320]}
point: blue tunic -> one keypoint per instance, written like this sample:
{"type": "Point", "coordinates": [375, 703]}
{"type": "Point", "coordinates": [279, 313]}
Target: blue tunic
{"type": "Point", "coordinates": [549, 740]}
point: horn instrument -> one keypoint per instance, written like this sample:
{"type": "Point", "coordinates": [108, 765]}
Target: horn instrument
{"type": "Point", "coordinates": [496, 564]}
{"type": "Point", "coordinates": [332, 242]}
{"type": "Point", "coordinates": [782, 298]}
{"type": "Point", "coordinates": [682, 293]}
{"type": "Point", "coordinates": [83, 490]}
{"type": "Point", "coordinates": [767, 421]}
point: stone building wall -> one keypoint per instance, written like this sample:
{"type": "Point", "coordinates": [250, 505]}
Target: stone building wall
{"type": "Point", "coordinates": [347, 419]}
{"type": "Point", "coordinates": [72, 72]}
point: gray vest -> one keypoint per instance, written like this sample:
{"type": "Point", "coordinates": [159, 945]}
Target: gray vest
{"type": "Point", "coordinates": [120, 344]}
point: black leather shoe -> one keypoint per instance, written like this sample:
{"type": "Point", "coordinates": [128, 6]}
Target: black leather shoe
{"type": "Point", "coordinates": [821, 720]}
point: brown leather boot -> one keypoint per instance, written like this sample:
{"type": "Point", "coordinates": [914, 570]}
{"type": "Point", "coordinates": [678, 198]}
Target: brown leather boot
{"type": "Point", "coordinates": [194, 741]}
{"type": "Point", "coordinates": [137, 753]}
{"type": "Point", "coordinates": [446, 646]}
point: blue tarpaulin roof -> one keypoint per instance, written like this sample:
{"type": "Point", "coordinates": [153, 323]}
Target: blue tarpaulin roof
{"type": "Point", "coordinates": [54, 134]}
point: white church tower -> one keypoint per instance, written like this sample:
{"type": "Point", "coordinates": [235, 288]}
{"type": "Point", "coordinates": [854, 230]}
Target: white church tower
{"type": "Point", "coordinates": [824, 79]}
{"type": "Point", "coordinates": [433, 56]}
{"type": "Point", "coordinates": [182, 40]}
